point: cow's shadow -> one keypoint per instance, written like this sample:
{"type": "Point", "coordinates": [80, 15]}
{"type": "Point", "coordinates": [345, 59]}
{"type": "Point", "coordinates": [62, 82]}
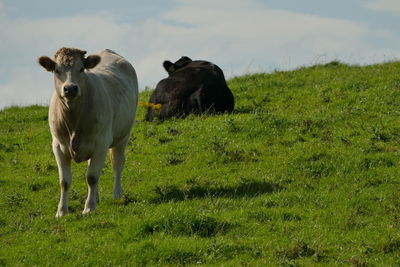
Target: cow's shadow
{"type": "Point", "coordinates": [248, 189]}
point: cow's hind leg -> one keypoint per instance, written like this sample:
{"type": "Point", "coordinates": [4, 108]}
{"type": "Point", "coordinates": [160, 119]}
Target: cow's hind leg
{"type": "Point", "coordinates": [96, 164]}
{"type": "Point", "coordinates": [64, 170]}
{"type": "Point", "coordinates": [117, 155]}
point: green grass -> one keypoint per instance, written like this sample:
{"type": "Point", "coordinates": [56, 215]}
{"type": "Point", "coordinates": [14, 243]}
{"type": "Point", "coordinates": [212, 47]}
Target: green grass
{"type": "Point", "coordinates": [305, 172]}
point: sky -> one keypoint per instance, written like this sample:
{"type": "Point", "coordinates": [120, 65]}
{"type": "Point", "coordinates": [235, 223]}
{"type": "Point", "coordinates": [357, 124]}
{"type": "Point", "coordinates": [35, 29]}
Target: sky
{"type": "Point", "coordinates": [240, 36]}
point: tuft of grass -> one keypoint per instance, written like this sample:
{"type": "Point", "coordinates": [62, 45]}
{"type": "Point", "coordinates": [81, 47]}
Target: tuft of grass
{"type": "Point", "coordinates": [295, 251]}
{"type": "Point", "coordinates": [184, 223]}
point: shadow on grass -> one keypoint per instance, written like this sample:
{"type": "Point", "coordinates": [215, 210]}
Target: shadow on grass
{"type": "Point", "coordinates": [248, 189]}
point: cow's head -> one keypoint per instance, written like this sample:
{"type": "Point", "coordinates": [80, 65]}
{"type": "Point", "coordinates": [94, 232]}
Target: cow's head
{"type": "Point", "coordinates": [172, 67]}
{"type": "Point", "coordinates": [68, 67]}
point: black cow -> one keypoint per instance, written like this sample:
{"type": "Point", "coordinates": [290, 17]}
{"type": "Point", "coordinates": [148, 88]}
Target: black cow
{"type": "Point", "coordinates": [192, 87]}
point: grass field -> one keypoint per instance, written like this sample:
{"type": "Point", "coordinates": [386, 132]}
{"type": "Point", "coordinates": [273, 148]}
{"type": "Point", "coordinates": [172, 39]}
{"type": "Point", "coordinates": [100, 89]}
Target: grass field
{"type": "Point", "coordinates": [305, 172]}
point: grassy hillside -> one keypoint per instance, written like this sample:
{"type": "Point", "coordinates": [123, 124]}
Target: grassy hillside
{"type": "Point", "coordinates": [305, 172]}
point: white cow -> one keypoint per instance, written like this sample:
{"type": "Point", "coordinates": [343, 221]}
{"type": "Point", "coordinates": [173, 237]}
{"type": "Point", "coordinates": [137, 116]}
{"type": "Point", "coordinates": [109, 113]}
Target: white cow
{"type": "Point", "coordinates": [92, 110]}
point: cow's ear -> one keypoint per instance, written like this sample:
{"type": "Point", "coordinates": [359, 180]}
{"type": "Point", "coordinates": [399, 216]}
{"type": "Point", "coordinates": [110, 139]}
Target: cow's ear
{"type": "Point", "coordinates": [47, 63]}
{"type": "Point", "coordinates": [91, 61]}
{"type": "Point", "coordinates": [185, 58]}
{"type": "Point", "coordinates": [169, 66]}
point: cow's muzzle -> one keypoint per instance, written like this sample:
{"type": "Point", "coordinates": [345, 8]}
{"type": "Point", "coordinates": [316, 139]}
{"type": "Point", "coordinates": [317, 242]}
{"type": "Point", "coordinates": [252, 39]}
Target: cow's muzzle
{"type": "Point", "coordinates": [70, 91]}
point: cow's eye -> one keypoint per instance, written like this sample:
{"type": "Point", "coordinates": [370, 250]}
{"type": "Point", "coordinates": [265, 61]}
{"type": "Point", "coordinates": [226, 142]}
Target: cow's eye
{"type": "Point", "coordinates": [57, 71]}
{"type": "Point", "coordinates": [81, 70]}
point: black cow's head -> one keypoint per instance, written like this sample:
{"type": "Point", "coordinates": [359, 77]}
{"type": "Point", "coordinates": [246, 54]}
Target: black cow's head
{"type": "Point", "coordinates": [172, 67]}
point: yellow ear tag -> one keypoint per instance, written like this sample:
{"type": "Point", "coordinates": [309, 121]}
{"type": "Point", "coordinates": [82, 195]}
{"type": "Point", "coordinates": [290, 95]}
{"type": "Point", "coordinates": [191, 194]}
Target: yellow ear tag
{"type": "Point", "coordinates": [171, 69]}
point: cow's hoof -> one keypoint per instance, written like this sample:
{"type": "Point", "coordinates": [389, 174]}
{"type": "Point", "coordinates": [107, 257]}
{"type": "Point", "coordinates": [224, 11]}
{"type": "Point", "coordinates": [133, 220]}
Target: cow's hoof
{"type": "Point", "coordinates": [117, 194]}
{"type": "Point", "coordinates": [61, 212]}
{"type": "Point", "coordinates": [88, 210]}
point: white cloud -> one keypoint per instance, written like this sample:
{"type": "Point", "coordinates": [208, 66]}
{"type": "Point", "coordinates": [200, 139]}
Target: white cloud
{"type": "Point", "coordinates": [388, 6]}
{"type": "Point", "coordinates": [26, 87]}
{"type": "Point", "coordinates": [235, 33]}
{"type": "Point", "coordinates": [50, 34]}
{"type": "Point", "coordinates": [240, 36]}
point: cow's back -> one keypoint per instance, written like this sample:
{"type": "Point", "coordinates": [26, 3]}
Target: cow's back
{"type": "Point", "coordinates": [210, 90]}
{"type": "Point", "coordinates": [114, 83]}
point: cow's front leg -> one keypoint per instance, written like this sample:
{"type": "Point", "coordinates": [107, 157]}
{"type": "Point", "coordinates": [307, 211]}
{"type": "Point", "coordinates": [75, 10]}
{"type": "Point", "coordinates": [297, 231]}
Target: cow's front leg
{"type": "Point", "coordinates": [96, 164]}
{"type": "Point", "coordinates": [64, 171]}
